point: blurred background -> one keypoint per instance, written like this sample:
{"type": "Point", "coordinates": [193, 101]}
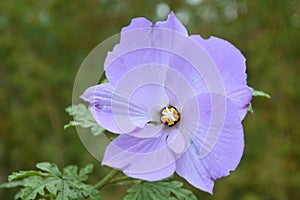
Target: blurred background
{"type": "Point", "coordinates": [42, 44]}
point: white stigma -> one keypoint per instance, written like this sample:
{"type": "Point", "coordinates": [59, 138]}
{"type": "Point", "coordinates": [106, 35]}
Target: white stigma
{"type": "Point", "coordinates": [169, 114]}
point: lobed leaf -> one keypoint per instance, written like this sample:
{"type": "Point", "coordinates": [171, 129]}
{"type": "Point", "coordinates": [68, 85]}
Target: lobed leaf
{"type": "Point", "coordinates": [52, 183]}
{"type": "Point", "coordinates": [12, 184]}
{"type": "Point", "coordinates": [83, 173]}
{"type": "Point", "coordinates": [83, 117]}
{"type": "Point", "coordinates": [159, 191]}
{"type": "Point", "coordinates": [23, 174]}
{"type": "Point", "coordinates": [51, 168]}
{"type": "Point", "coordinates": [35, 185]}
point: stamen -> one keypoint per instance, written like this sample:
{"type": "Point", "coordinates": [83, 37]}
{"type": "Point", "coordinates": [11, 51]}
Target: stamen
{"type": "Point", "coordinates": [170, 116]}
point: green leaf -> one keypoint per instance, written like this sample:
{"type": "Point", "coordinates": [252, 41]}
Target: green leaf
{"type": "Point", "coordinates": [83, 117]}
{"type": "Point", "coordinates": [110, 136]}
{"type": "Point", "coordinates": [71, 172]}
{"type": "Point", "coordinates": [250, 108]}
{"type": "Point", "coordinates": [34, 186]}
{"type": "Point", "coordinates": [24, 174]}
{"type": "Point", "coordinates": [64, 192]}
{"type": "Point", "coordinates": [51, 183]}
{"type": "Point", "coordinates": [49, 167]}
{"type": "Point", "coordinates": [94, 194]}
{"type": "Point", "coordinates": [104, 81]}
{"type": "Point", "coordinates": [12, 184]}
{"type": "Point", "coordinates": [83, 173]}
{"type": "Point", "coordinates": [258, 93]}
{"type": "Point", "coordinates": [159, 191]}
{"type": "Point", "coordinates": [261, 94]}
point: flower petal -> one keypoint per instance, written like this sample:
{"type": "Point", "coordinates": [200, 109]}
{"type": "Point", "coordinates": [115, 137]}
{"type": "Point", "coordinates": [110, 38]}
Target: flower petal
{"type": "Point", "coordinates": [139, 22]}
{"type": "Point", "coordinates": [156, 175]}
{"type": "Point", "coordinates": [194, 171]}
{"type": "Point", "coordinates": [168, 47]}
{"type": "Point", "coordinates": [172, 23]}
{"type": "Point", "coordinates": [109, 109]}
{"type": "Point", "coordinates": [117, 64]}
{"type": "Point", "coordinates": [149, 94]}
{"type": "Point", "coordinates": [145, 86]}
{"type": "Point", "coordinates": [149, 131]}
{"type": "Point", "coordinates": [218, 145]}
{"type": "Point", "coordinates": [141, 157]}
{"type": "Point", "coordinates": [178, 85]}
{"type": "Point", "coordinates": [232, 66]}
{"type": "Point", "coordinates": [229, 147]}
{"type": "Point", "coordinates": [176, 141]}
{"type": "Point", "coordinates": [190, 120]}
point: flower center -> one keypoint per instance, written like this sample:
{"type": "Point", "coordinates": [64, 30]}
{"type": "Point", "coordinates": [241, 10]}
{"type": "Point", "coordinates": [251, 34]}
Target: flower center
{"type": "Point", "coordinates": [170, 116]}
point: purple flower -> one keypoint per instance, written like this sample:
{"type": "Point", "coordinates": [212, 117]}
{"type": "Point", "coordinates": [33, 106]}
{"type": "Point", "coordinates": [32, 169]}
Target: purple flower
{"type": "Point", "coordinates": [176, 101]}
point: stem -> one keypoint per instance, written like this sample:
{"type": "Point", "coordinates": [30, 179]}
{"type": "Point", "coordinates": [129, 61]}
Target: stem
{"type": "Point", "coordinates": [120, 179]}
{"type": "Point", "coordinates": [106, 179]}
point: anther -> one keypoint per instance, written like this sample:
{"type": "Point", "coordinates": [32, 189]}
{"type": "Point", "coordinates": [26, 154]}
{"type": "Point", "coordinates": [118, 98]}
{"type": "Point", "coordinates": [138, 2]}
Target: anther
{"type": "Point", "coordinates": [170, 116]}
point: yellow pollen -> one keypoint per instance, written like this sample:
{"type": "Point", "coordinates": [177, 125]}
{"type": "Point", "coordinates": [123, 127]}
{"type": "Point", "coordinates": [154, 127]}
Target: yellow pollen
{"type": "Point", "coordinates": [170, 116]}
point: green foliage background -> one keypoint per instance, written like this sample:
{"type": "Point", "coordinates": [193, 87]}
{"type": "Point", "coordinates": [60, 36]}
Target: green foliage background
{"type": "Point", "coordinates": [42, 44]}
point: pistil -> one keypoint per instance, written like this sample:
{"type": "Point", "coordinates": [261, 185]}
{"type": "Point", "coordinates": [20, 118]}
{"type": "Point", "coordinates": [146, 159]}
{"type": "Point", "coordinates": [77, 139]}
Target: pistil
{"type": "Point", "coordinates": [170, 115]}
